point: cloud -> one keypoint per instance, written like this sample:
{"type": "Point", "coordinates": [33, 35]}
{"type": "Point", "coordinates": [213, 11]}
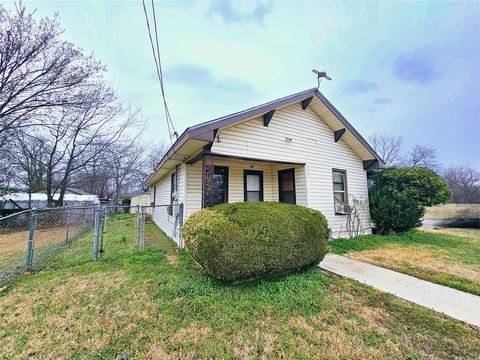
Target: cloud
{"type": "Point", "coordinates": [207, 84]}
{"type": "Point", "coordinates": [229, 14]}
{"type": "Point", "coordinates": [414, 68]}
{"type": "Point", "coordinates": [360, 86]}
{"type": "Point", "coordinates": [382, 101]}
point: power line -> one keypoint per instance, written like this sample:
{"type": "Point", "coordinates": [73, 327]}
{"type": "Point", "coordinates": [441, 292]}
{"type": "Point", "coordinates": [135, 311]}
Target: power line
{"type": "Point", "coordinates": [158, 66]}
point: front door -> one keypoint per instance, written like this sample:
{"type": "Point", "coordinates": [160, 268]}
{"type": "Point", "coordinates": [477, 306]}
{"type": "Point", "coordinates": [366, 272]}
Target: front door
{"type": "Point", "coordinates": [253, 185]}
{"type": "Point", "coordinates": [286, 186]}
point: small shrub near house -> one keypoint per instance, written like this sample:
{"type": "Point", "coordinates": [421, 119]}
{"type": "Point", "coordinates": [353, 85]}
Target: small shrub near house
{"type": "Point", "coordinates": [242, 241]}
{"type": "Point", "coordinates": [126, 202]}
{"type": "Point", "coordinates": [398, 197]}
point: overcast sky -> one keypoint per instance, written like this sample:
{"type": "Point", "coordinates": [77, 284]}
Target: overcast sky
{"type": "Point", "coordinates": [408, 69]}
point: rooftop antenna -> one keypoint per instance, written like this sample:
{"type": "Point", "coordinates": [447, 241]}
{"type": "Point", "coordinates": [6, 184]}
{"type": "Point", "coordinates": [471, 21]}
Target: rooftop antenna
{"type": "Point", "coordinates": [321, 75]}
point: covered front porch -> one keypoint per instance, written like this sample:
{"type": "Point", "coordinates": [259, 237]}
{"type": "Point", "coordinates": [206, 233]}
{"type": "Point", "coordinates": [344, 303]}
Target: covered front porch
{"type": "Point", "coordinates": [236, 179]}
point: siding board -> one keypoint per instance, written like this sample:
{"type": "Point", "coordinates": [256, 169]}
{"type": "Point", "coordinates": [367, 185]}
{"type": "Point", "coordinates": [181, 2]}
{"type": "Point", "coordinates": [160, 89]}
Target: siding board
{"type": "Point", "coordinates": [160, 214]}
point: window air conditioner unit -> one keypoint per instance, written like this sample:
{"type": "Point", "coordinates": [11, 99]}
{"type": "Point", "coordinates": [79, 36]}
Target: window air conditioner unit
{"type": "Point", "coordinates": [343, 209]}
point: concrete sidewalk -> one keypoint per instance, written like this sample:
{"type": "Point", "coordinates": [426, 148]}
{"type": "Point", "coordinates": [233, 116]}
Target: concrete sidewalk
{"type": "Point", "coordinates": [451, 302]}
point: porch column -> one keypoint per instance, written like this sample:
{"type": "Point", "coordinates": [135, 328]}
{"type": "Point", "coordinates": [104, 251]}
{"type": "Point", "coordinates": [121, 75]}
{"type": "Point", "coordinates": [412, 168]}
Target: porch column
{"type": "Point", "coordinates": [207, 180]}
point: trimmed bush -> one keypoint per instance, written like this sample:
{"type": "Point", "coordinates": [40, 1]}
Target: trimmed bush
{"type": "Point", "coordinates": [242, 241]}
{"type": "Point", "coordinates": [398, 197]}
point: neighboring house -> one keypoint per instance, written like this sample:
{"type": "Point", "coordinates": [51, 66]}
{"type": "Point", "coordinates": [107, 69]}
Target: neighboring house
{"type": "Point", "coordinates": [20, 200]}
{"type": "Point", "coordinates": [298, 149]}
{"type": "Point", "coordinates": [139, 198]}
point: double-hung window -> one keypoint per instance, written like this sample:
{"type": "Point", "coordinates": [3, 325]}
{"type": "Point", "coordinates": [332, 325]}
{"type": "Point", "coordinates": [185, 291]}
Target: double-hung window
{"type": "Point", "coordinates": [253, 185]}
{"type": "Point", "coordinates": [340, 193]}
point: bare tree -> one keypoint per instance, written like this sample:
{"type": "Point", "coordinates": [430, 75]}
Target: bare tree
{"type": "Point", "coordinates": [38, 71]}
{"type": "Point", "coordinates": [127, 168]}
{"type": "Point", "coordinates": [95, 177]}
{"type": "Point", "coordinates": [388, 147]}
{"type": "Point", "coordinates": [422, 156]}
{"type": "Point", "coordinates": [8, 172]}
{"type": "Point", "coordinates": [28, 159]}
{"type": "Point", "coordinates": [61, 121]}
{"type": "Point", "coordinates": [155, 154]}
{"type": "Point", "coordinates": [464, 181]}
{"type": "Point", "coordinates": [80, 136]}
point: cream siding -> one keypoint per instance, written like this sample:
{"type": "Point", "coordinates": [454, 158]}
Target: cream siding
{"type": "Point", "coordinates": [236, 170]}
{"type": "Point", "coordinates": [160, 214]}
{"type": "Point", "coordinates": [311, 143]}
{"type": "Point", "coordinates": [140, 200]}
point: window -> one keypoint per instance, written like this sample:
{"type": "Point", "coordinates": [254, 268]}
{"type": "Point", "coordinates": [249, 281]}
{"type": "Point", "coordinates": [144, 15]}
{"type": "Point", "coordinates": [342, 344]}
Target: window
{"type": "Point", "coordinates": [340, 193]}
{"type": "Point", "coordinates": [173, 190]}
{"type": "Point", "coordinates": [220, 185]}
{"type": "Point", "coordinates": [286, 186]}
{"type": "Point", "coordinates": [252, 185]}
{"type": "Point", "coordinates": [154, 195]}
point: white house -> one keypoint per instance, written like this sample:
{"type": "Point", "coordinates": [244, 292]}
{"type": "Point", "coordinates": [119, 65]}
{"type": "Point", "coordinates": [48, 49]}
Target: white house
{"type": "Point", "coordinates": [139, 198]}
{"type": "Point", "coordinates": [298, 149]}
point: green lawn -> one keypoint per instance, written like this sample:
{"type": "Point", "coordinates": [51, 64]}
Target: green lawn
{"type": "Point", "coordinates": [449, 257]}
{"type": "Point", "coordinates": [156, 304]}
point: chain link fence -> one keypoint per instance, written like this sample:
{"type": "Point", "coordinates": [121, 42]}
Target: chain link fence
{"type": "Point", "coordinates": [170, 216]}
{"type": "Point", "coordinates": [29, 238]}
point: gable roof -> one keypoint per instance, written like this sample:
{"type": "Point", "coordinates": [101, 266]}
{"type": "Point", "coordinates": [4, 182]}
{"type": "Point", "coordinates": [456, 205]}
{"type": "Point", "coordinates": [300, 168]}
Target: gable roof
{"type": "Point", "coordinates": [194, 138]}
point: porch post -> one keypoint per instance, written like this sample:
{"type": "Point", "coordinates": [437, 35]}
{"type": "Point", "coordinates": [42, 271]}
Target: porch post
{"type": "Point", "coordinates": [207, 180]}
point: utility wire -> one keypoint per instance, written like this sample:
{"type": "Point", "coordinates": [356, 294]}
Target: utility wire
{"type": "Point", "coordinates": [160, 69]}
{"type": "Point", "coordinates": [156, 58]}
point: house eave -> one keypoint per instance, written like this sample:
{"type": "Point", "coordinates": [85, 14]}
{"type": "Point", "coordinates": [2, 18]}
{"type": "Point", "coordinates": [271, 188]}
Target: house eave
{"type": "Point", "coordinates": [194, 138]}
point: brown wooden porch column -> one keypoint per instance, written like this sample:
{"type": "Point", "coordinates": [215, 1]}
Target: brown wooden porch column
{"type": "Point", "coordinates": [207, 180]}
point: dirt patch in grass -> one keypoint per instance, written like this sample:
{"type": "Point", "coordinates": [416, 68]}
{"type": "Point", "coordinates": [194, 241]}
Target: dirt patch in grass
{"type": "Point", "coordinates": [15, 242]}
{"type": "Point", "coordinates": [195, 333]}
{"type": "Point", "coordinates": [172, 258]}
{"type": "Point", "coordinates": [466, 233]}
{"type": "Point", "coordinates": [394, 256]}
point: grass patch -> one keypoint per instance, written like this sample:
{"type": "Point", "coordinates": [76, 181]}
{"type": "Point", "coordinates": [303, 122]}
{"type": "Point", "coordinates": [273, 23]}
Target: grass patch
{"type": "Point", "coordinates": [158, 304]}
{"type": "Point", "coordinates": [449, 257]}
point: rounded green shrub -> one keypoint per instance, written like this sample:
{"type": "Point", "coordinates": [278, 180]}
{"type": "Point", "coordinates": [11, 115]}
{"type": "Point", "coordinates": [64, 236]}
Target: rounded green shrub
{"type": "Point", "coordinates": [241, 241]}
{"type": "Point", "coordinates": [398, 197]}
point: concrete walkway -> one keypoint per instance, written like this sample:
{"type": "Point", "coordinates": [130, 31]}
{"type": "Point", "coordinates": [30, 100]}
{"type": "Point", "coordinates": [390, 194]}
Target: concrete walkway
{"type": "Point", "coordinates": [451, 302]}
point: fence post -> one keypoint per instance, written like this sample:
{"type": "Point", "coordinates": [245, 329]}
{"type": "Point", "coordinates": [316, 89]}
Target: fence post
{"type": "Point", "coordinates": [68, 224]}
{"type": "Point", "coordinates": [142, 229]}
{"type": "Point", "coordinates": [103, 219]}
{"type": "Point", "coordinates": [96, 229]}
{"type": "Point", "coordinates": [31, 237]}
{"type": "Point", "coordinates": [104, 216]}
{"type": "Point", "coordinates": [135, 230]}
